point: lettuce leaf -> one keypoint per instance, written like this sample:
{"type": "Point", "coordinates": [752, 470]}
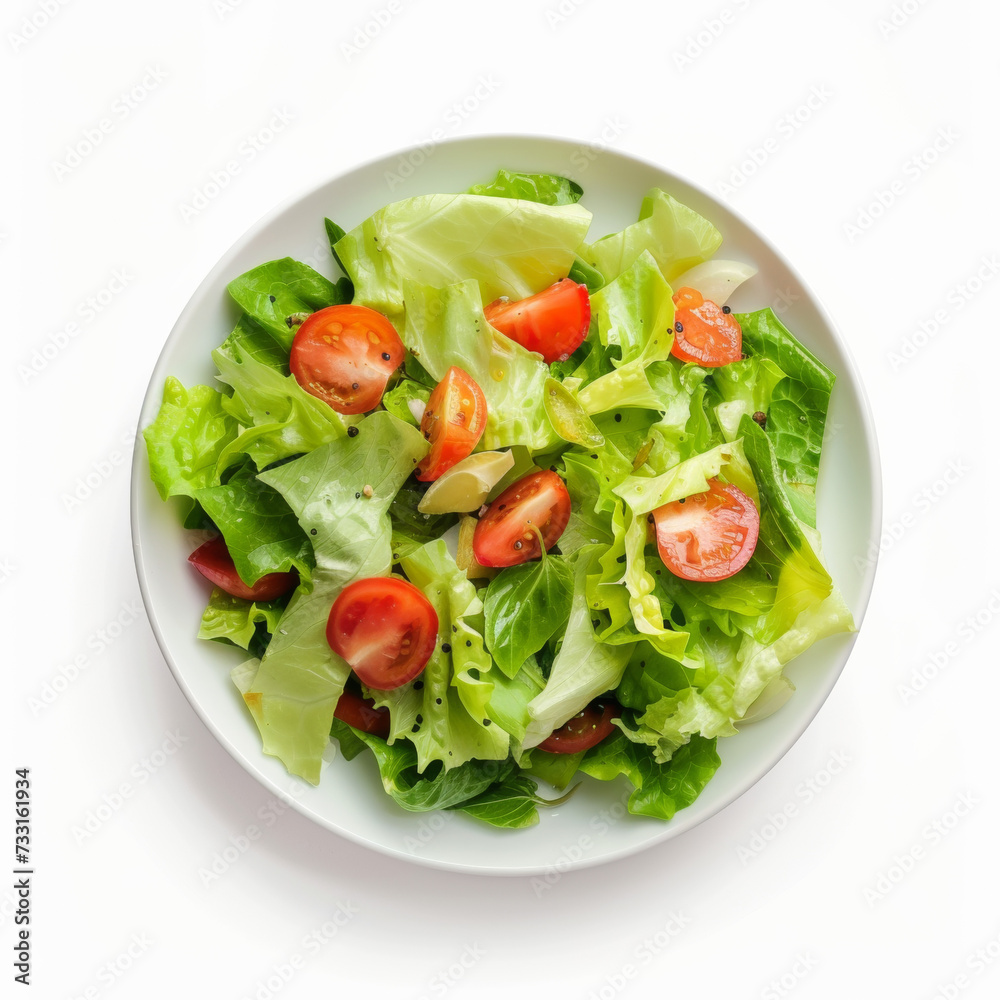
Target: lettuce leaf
{"type": "Point", "coordinates": [445, 327]}
{"type": "Point", "coordinates": [796, 414]}
{"type": "Point", "coordinates": [299, 680]}
{"type": "Point", "coordinates": [444, 712]}
{"type": "Point", "coordinates": [276, 293]}
{"type": "Point", "coordinates": [261, 532]}
{"type": "Point", "coordinates": [676, 236]}
{"type": "Point", "coordinates": [278, 417]}
{"type": "Point", "coordinates": [583, 668]}
{"type": "Point", "coordinates": [184, 442]}
{"type": "Point", "coordinates": [510, 247]}
{"type": "Point", "coordinates": [660, 789]}
{"type": "Point", "coordinates": [546, 189]}
{"type": "Point", "coordinates": [232, 619]}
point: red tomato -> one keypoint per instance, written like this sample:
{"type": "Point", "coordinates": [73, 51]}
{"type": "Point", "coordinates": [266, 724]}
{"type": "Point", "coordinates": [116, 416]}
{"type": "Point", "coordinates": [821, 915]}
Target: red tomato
{"type": "Point", "coordinates": [362, 714]}
{"type": "Point", "coordinates": [344, 355]}
{"type": "Point", "coordinates": [453, 422]}
{"type": "Point", "coordinates": [215, 563]}
{"type": "Point", "coordinates": [707, 536]}
{"type": "Point", "coordinates": [554, 322]}
{"type": "Point", "coordinates": [704, 333]}
{"type": "Point", "coordinates": [506, 535]}
{"type": "Point", "coordinates": [385, 628]}
{"type": "Point", "coordinates": [584, 730]}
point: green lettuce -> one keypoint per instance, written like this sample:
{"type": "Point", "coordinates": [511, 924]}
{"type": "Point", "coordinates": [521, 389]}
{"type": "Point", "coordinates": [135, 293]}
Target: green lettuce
{"type": "Point", "coordinates": [281, 293]}
{"type": "Point", "coordinates": [444, 713]}
{"type": "Point", "coordinates": [676, 236]}
{"type": "Point", "coordinates": [187, 437]}
{"type": "Point", "coordinates": [277, 417]}
{"type": "Point", "coordinates": [232, 619]}
{"type": "Point", "coordinates": [261, 532]}
{"type": "Point", "coordinates": [300, 679]}
{"type": "Point", "coordinates": [546, 189]}
{"type": "Point", "coordinates": [445, 327]}
{"type": "Point", "coordinates": [583, 669]}
{"type": "Point", "coordinates": [510, 247]}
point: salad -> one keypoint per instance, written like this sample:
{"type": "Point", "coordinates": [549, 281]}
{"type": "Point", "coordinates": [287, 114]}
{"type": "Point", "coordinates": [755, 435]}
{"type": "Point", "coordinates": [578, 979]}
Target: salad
{"type": "Point", "coordinates": [503, 506]}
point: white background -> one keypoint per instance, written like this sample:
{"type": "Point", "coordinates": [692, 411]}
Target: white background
{"type": "Point", "coordinates": [883, 879]}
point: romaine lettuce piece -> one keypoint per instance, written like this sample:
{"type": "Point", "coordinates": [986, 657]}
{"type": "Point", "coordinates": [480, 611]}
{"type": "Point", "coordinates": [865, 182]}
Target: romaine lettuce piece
{"type": "Point", "coordinates": [444, 712]}
{"type": "Point", "coordinates": [261, 532]}
{"type": "Point", "coordinates": [278, 417]}
{"type": "Point", "coordinates": [445, 327]}
{"type": "Point", "coordinates": [509, 247]}
{"type": "Point", "coordinates": [184, 442]}
{"type": "Point", "coordinates": [546, 189]}
{"type": "Point", "coordinates": [299, 680]}
{"type": "Point", "coordinates": [677, 237]}
{"type": "Point", "coordinates": [280, 293]}
{"type": "Point", "coordinates": [583, 668]}
{"type": "Point", "coordinates": [232, 619]}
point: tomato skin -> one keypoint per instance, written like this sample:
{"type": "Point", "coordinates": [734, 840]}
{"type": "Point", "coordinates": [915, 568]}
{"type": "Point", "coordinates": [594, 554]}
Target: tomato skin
{"type": "Point", "coordinates": [704, 333]}
{"type": "Point", "coordinates": [362, 714]}
{"type": "Point", "coordinates": [453, 422]}
{"type": "Point", "coordinates": [584, 730]}
{"type": "Point", "coordinates": [554, 322]}
{"type": "Point", "coordinates": [385, 628]}
{"type": "Point", "coordinates": [506, 535]}
{"type": "Point", "coordinates": [215, 563]}
{"type": "Point", "coordinates": [344, 355]}
{"type": "Point", "coordinates": [707, 536]}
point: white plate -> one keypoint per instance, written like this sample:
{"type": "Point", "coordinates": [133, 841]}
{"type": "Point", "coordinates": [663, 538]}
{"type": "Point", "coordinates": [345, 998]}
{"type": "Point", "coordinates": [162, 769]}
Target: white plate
{"type": "Point", "coordinates": [349, 800]}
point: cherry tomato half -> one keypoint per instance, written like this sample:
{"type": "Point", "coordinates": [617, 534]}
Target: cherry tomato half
{"type": "Point", "coordinates": [385, 628]}
{"type": "Point", "coordinates": [554, 322]}
{"type": "Point", "coordinates": [586, 729]}
{"type": "Point", "coordinates": [362, 714]}
{"type": "Point", "coordinates": [344, 355]}
{"type": "Point", "coordinates": [215, 563]}
{"type": "Point", "coordinates": [704, 333]}
{"type": "Point", "coordinates": [707, 536]}
{"type": "Point", "coordinates": [506, 535]}
{"type": "Point", "coordinates": [453, 422]}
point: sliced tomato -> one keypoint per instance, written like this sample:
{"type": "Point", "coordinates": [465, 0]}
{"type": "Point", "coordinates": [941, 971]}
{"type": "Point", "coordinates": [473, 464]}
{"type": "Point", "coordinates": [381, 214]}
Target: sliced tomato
{"type": "Point", "coordinates": [707, 536]}
{"type": "Point", "coordinates": [586, 729]}
{"type": "Point", "coordinates": [344, 355]}
{"type": "Point", "coordinates": [385, 628]}
{"type": "Point", "coordinates": [704, 333]}
{"type": "Point", "coordinates": [362, 714]}
{"type": "Point", "coordinates": [554, 322]}
{"type": "Point", "coordinates": [507, 534]}
{"type": "Point", "coordinates": [453, 422]}
{"type": "Point", "coordinates": [215, 563]}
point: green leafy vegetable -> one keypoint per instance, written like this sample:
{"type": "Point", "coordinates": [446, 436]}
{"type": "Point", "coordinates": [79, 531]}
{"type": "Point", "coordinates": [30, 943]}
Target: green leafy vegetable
{"type": "Point", "coordinates": [546, 189]}
{"type": "Point", "coordinates": [232, 619]}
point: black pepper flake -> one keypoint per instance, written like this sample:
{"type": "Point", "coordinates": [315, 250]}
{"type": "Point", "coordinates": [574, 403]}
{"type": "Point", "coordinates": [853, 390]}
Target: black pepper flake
{"type": "Point", "coordinates": [437, 701]}
{"type": "Point", "coordinates": [419, 719]}
{"type": "Point", "coordinates": [355, 385]}
{"type": "Point", "coordinates": [386, 356]}
{"type": "Point", "coordinates": [312, 531]}
{"type": "Point", "coordinates": [454, 628]}
{"type": "Point", "coordinates": [445, 647]}
{"type": "Point", "coordinates": [352, 431]}
{"type": "Point", "coordinates": [642, 663]}
{"type": "Point", "coordinates": [518, 544]}
{"type": "Point", "coordinates": [487, 722]}
{"type": "Point", "coordinates": [679, 327]}
{"type": "Point", "coordinates": [417, 685]}
{"type": "Point", "coordinates": [594, 457]}
{"type": "Point", "coordinates": [682, 500]}
{"type": "Point", "coordinates": [468, 642]}
{"type": "Point", "coordinates": [272, 298]}
{"type": "Point", "coordinates": [760, 417]}
{"type": "Point", "coordinates": [618, 418]}
{"type": "Point", "coordinates": [620, 559]}
{"type": "Point", "coordinates": [595, 622]}
{"type": "Point", "coordinates": [415, 729]}
{"type": "Point", "coordinates": [357, 496]}
{"type": "Point", "coordinates": [726, 310]}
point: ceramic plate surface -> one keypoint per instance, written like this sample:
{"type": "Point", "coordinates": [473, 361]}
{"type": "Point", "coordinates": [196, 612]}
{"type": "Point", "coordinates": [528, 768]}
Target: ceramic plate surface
{"type": "Point", "coordinates": [349, 799]}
